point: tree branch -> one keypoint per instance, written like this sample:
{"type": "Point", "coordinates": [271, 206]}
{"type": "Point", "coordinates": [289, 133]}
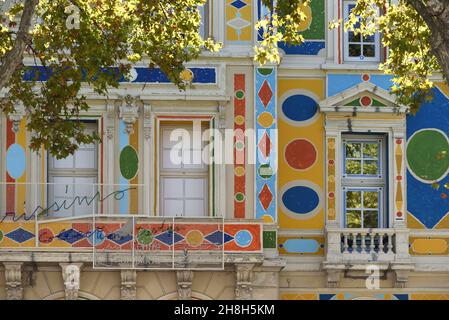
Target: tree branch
{"type": "Point", "coordinates": [13, 58]}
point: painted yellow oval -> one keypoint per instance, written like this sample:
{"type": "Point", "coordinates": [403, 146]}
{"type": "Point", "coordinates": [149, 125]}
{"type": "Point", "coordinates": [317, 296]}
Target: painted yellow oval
{"type": "Point", "coordinates": [429, 246]}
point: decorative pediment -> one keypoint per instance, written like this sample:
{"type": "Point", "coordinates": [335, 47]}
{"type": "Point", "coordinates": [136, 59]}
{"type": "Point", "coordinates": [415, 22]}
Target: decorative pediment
{"type": "Point", "coordinates": [364, 97]}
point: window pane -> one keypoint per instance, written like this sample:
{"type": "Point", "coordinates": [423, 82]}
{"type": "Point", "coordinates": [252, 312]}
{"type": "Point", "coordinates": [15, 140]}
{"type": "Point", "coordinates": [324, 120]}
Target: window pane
{"type": "Point", "coordinates": [173, 188]}
{"type": "Point", "coordinates": [173, 208]}
{"type": "Point", "coordinates": [194, 208]}
{"type": "Point", "coordinates": [85, 159]}
{"type": "Point", "coordinates": [369, 51]}
{"type": "Point", "coordinates": [194, 188]}
{"type": "Point", "coordinates": [66, 163]}
{"type": "Point", "coordinates": [352, 37]}
{"type": "Point", "coordinates": [353, 199]}
{"type": "Point", "coordinates": [370, 167]}
{"type": "Point", "coordinates": [353, 167]}
{"type": "Point", "coordinates": [368, 38]}
{"type": "Point", "coordinates": [370, 150]}
{"type": "Point", "coordinates": [353, 150]}
{"type": "Point", "coordinates": [353, 219]}
{"type": "Point", "coordinates": [370, 199]}
{"type": "Point", "coordinates": [171, 158]}
{"type": "Point", "coordinates": [355, 50]}
{"type": "Point", "coordinates": [370, 219]}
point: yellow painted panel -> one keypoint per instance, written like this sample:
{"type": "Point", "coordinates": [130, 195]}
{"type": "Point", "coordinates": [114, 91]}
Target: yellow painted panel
{"type": "Point", "coordinates": [429, 246]}
{"type": "Point", "coordinates": [429, 296]}
{"type": "Point", "coordinates": [314, 133]}
{"type": "Point", "coordinates": [413, 223]}
{"type": "Point", "coordinates": [299, 296]}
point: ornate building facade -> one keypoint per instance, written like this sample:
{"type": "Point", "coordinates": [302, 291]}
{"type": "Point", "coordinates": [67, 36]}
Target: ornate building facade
{"type": "Point", "coordinates": [327, 195]}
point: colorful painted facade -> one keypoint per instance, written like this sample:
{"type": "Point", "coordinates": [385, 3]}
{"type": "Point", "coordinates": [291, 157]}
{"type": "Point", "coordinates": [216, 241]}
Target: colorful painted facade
{"type": "Point", "coordinates": [326, 189]}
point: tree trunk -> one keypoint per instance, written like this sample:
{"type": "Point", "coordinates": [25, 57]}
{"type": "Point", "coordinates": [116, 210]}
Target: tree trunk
{"type": "Point", "coordinates": [436, 15]}
{"type": "Point", "coordinates": [13, 58]}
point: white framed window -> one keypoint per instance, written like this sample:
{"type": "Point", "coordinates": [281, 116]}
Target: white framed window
{"type": "Point", "coordinates": [356, 47]}
{"type": "Point", "coordinates": [364, 181]}
{"type": "Point", "coordinates": [73, 180]}
{"type": "Point", "coordinates": [204, 13]}
{"type": "Point", "coordinates": [184, 175]}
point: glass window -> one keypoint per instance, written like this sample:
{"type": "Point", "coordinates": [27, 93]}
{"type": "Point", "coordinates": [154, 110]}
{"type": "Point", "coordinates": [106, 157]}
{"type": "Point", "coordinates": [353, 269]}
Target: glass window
{"type": "Point", "coordinates": [362, 207]}
{"type": "Point", "coordinates": [357, 47]}
{"type": "Point", "coordinates": [364, 181]}
{"type": "Point", "coordinates": [73, 181]}
{"type": "Point", "coordinates": [362, 158]}
{"type": "Point", "coordinates": [184, 173]}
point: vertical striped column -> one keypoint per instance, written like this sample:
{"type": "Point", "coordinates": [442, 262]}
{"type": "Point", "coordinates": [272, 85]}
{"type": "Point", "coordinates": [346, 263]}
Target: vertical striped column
{"type": "Point", "coordinates": [331, 216]}
{"type": "Point", "coordinates": [398, 179]}
{"type": "Point", "coordinates": [266, 143]}
{"type": "Point", "coordinates": [16, 159]}
{"type": "Point", "coordinates": [129, 168]}
{"type": "Point", "coordinates": [239, 145]}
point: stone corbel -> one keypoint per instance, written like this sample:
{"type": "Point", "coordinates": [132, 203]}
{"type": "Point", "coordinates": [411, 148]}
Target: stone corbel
{"type": "Point", "coordinates": [17, 116]}
{"type": "Point", "coordinates": [129, 112]}
{"type": "Point", "coordinates": [401, 277]}
{"type": "Point", "coordinates": [147, 121]}
{"type": "Point", "coordinates": [13, 279]}
{"type": "Point", "coordinates": [128, 289]}
{"type": "Point", "coordinates": [71, 275]}
{"type": "Point", "coordinates": [184, 279]}
{"type": "Point", "coordinates": [110, 125]}
{"type": "Point", "coordinates": [244, 281]}
{"type": "Point", "coordinates": [333, 278]}
{"type": "Point", "coordinates": [222, 116]}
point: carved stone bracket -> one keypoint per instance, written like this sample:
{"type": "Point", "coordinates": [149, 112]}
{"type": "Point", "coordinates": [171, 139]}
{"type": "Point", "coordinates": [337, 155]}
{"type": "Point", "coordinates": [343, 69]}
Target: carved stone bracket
{"type": "Point", "coordinates": [184, 278]}
{"type": "Point", "coordinates": [13, 277]}
{"type": "Point", "coordinates": [147, 121]}
{"type": "Point", "coordinates": [17, 116]}
{"type": "Point", "coordinates": [110, 125]}
{"type": "Point", "coordinates": [402, 273]}
{"type": "Point", "coordinates": [222, 116]}
{"type": "Point", "coordinates": [244, 279]}
{"type": "Point", "coordinates": [71, 275]}
{"type": "Point", "coordinates": [129, 111]}
{"type": "Point", "coordinates": [128, 289]}
{"type": "Point", "coordinates": [333, 278]}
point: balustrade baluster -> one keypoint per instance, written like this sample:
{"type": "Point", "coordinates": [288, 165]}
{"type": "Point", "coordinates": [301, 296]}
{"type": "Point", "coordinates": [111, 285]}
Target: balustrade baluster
{"type": "Point", "coordinates": [372, 237]}
{"type": "Point", "coordinates": [362, 242]}
{"type": "Point", "coordinates": [381, 242]}
{"type": "Point", "coordinates": [390, 243]}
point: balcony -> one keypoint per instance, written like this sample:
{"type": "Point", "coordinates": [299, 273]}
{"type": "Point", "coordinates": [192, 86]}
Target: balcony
{"type": "Point", "coordinates": [110, 227]}
{"type": "Point", "coordinates": [356, 250]}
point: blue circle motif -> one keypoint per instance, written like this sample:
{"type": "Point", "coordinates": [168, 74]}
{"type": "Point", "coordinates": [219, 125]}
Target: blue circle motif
{"type": "Point", "coordinates": [299, 107]}
{"type": "Point", "coordinates": [300, 199]}
{"type": "Point", "coordinates": [243, 238]}
{"type": "Point", "coordinates": [15, 161]}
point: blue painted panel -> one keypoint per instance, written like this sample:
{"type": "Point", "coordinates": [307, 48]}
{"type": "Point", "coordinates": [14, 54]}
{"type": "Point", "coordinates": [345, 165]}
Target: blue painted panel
{"type": "Point", "coordinates": [340, 82]}
{"type": "Point", "coordinates": [144, 75]}
{"type": "Point", "coordinates": [301, 246]}
{"type": "Point", "coordinates": [426, 204]}
{"type": "Point", "coordinates": [15, 161]}
{"type": "Point", "coordinates": [299, 107]}
{"type": "Point", "coordinates": [300, 199]}
{"type": "Point", "coordinates": [311, 48]}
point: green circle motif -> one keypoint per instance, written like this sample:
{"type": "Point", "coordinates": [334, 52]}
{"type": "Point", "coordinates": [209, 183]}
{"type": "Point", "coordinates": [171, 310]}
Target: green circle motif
{"type": "Point", "coordinates": [239, 197]}
{"type": "Point", "coordinates": [145, 236]}
{"type": "Point", "coordinates": [129, 162]}
{"type": "Point", "coordinates": [265, 171]}
{"type": "Point", "coordinates": [240, 94]}
{"type": "Point", "coordinates": [428, 155]}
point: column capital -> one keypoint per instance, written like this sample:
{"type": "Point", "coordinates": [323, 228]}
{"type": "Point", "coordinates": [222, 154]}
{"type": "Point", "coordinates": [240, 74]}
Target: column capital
{"type": "Point", "coordinates": [128, 289]}
{"type": "Point", "coordinates": [71, 275]}
{"type": "Point", "coordinates": [184, 280]}
{"type": "Point", "coordinates": [13, 279]}
{"type": "Point", "coordinates": [244, 280]}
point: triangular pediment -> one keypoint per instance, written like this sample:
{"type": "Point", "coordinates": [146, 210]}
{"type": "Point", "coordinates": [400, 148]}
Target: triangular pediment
{"type": "Point", "coordinates": [364, 97]}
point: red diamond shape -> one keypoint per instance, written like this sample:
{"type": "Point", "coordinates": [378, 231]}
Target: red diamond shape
{"type": "Point", "coordinates": [265, 145]}
{"type": "Point", "coordinates": [265, 93]}
{"type": "Point", "coordinates": [265, 197]}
